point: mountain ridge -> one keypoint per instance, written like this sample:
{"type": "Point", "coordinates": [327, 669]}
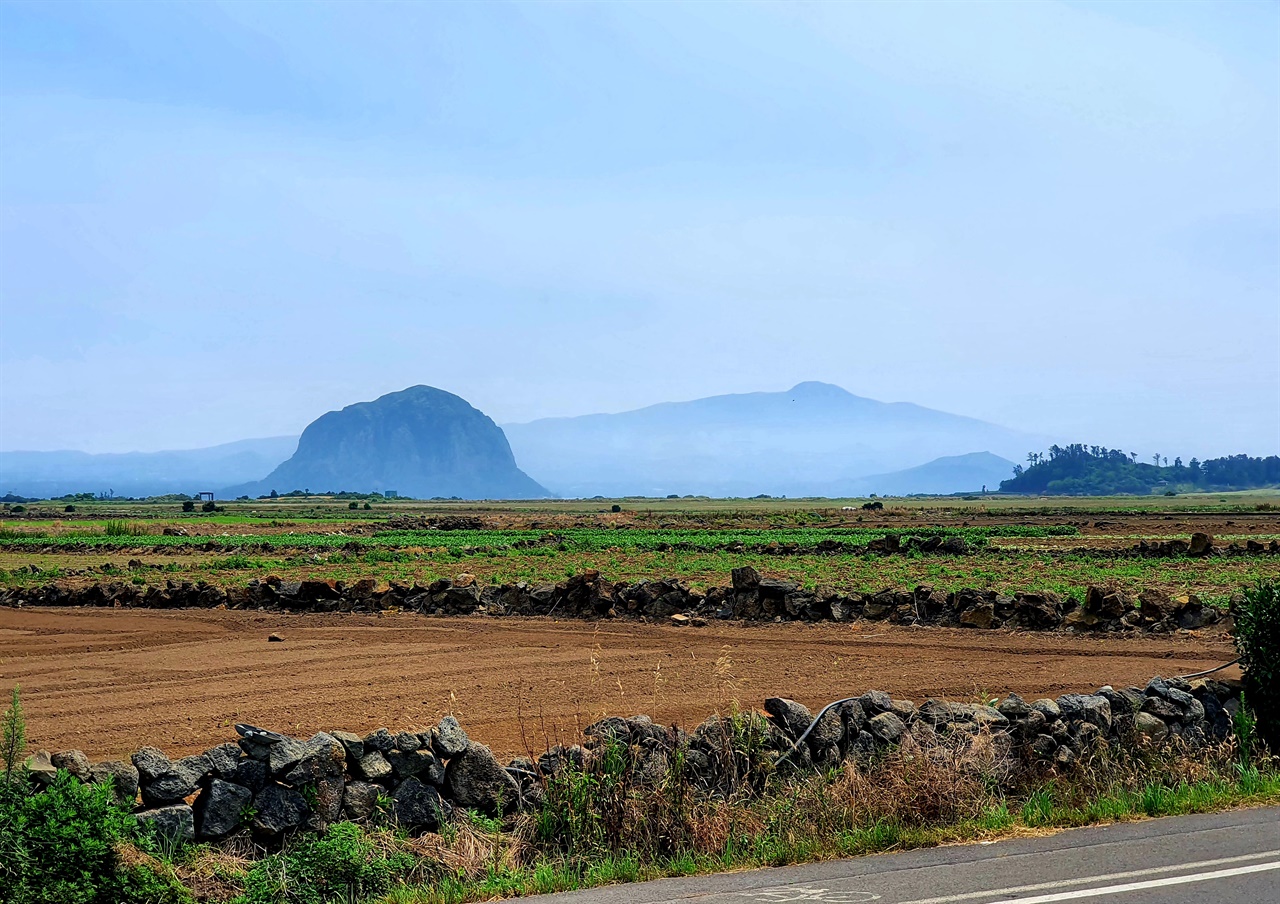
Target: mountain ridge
{"type": "Point", "coordinates": [814, 439]}
{"type": "Point", "coordinates": [810, 438]}
{"type": "Point", "coordinates": [56, 473]}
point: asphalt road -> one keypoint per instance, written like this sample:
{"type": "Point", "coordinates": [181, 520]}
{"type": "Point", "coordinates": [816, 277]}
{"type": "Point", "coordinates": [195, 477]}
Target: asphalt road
{"type": "Point", "coordinates": [1224, 858]}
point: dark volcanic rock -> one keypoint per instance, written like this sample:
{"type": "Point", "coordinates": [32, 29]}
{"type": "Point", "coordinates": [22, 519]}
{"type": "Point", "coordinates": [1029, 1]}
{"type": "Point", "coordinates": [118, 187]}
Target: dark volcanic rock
{"type": "Point", "coordinates": [417, 806]}
{"type": "Point", "coordinates": [279, 810]}
{"type": "Point", "coordinates": [420, 441]}
{"type": "Point", "coordinates": [449, 738]}
{"type": "Point", "coordinates": [219, 808]}
{"type": "Point", "coordinates": [477, 781]}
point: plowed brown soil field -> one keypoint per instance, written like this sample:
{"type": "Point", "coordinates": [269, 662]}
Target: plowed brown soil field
{"type": "Point", "coordinates": [109, 682]}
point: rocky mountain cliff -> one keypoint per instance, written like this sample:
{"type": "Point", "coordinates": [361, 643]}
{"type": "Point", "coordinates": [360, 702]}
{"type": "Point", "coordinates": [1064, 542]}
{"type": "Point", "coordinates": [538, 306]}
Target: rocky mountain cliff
{"type": "Point", "coordinates": [420, 442]}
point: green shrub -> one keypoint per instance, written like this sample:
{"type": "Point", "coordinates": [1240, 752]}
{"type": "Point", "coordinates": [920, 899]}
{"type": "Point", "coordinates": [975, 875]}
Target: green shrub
{"type": "Point", "coordinates": [343, 865]}
{"type": "Point", "coordinates": [188, 506]}
{"type": "Point", "coordinates": [124, 529]}
{"type": "Point", "coordinates": [61, 845]}
{"type": "Point", "coordinates": [1257, 633]}
{"type": "Point", "coordinates": [209, 507]}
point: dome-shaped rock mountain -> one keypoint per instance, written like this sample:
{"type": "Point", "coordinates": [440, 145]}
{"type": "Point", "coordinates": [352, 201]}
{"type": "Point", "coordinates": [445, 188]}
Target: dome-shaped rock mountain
{"type": "Point", "coordinates": [420, 442]}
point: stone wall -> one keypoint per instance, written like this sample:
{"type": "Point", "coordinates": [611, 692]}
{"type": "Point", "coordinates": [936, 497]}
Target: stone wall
{"type": "Point", "coordinates": [749, 597]}
{"type": "Point", "coordinates": [273, 784]}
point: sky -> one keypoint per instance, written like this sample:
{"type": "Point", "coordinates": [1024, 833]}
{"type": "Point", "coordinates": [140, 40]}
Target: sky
{"type": "Point", "coordinates": [220, 220]}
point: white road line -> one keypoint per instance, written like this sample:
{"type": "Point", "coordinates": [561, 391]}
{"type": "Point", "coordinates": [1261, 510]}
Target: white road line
{"type": "Point", "coordinates": [1085, 880]}
{"type": "Point", "coordinates": [1151, 883]}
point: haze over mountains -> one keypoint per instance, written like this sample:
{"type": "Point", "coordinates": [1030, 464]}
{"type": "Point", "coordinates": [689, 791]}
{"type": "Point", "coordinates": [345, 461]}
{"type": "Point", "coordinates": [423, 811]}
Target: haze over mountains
{"type": "Point", "coordinates": [420, 442]}
{"type": "Point", "coordinates": [812, 440]}
{"type": "Point", "coordinates": [815, 439]}
{"type": "Point", "coordinates": [42, 474]}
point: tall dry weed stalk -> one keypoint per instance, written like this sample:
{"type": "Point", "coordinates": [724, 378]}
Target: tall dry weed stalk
{"type": "Point", "coordinates": [724, 679]}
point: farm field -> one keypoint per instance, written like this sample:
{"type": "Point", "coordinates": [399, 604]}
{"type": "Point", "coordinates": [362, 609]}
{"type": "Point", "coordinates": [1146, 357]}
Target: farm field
{"type": "Point", "coordinates": [109, 681]}
{"type": "Point", "coordinates": [104, 678]}
{"type": "Point", "coordinates": [1058, 545]}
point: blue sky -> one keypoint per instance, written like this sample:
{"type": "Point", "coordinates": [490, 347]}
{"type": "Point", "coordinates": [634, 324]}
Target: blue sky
{"type": "Point", "coordinates": [219, 220]}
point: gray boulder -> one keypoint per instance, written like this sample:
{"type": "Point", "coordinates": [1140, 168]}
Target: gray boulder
{"type": "Point", "coordinates": [40, 767]}
{"type": "Point", "coordinates": [1047, 708]}
{"type": "Point", "coordinates": [449, 739]}
{"type": "Point", "coordinates": [1150, 727]}
{"type": "Point", "coordinates": [151, 764]}
{"type": "Point", "coordinates": [122, 776]}
{"type": "Point", "coordinates": [1090, 708]}
{"type": "Point", "coordinates": [360, 800]}
{"type": "Point", "coordinates": [373, 766]}
{"type": "Point", "coordinates": [224, 759]}
{"type": "Point", "coordinates": [327, 808]}
{"type": "Point", "coordinates": [180, 781]}
{"type": "Point", "coordinates": [876, 702]}
{"type": "Point", "coordinates": [476, 781]}
{"type": "Point", "coordinates": [558, 758]}
{"type": "Point", "coordinates": [887, 728]}
{"type": "Point", "coordinates": [284, 755]}
{"type": "Point", "coordinates": [250, 773]}
{"type": "Point", "coordinates": [278, 809]}
{"type": "Point", "coordinates": [353, 744]}
{"type": "Point", "coordinates": [175, 822]}
{"type": "Point", "coordinates": [862, 748]}
{"type": "Point", "coordinates": [790, 716]}
{"type": "Point", "coordinates": [381, 740]}
{"type": "Point", "coordinates": [421, 763]}
{"type": "Point", "coordinates": [1124, 702]}
{"type": "Point", "coordinates": [219, 808]}
{"type": "Point", "coordinates": [828, 733]}
{"type": "Point", "coordinates": [75, 762]}
{"type": "Point", "coordinates": [417, 806]}
{"type": "Point", "coordinates": [321, 757]}
{"type": "Point", "coordinates": [1043, 747]}
{"type": "Point", "coordinates": [1014, 707]}
{"type": "Point", "coordinates": [1162, 709]}
{"type": "Point", "coordinates": [937, 713]}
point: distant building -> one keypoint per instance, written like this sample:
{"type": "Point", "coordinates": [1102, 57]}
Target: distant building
{"type": "Point", "coordinates": [390, 494]}
{"type": "Point", "coordinates": [205, 496]}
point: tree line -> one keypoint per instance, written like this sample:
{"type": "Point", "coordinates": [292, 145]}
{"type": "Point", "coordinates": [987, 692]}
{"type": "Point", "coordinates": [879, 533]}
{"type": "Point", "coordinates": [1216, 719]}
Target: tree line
{"type": "Point", "coordinates": [1081, 470]}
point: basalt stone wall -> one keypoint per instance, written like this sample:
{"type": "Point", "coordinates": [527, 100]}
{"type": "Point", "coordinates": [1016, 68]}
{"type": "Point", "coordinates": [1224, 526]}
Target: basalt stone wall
{"type": "Point", "coordinates": [749, 597]}
{"type": "Point", "coordinates": [272, 785]}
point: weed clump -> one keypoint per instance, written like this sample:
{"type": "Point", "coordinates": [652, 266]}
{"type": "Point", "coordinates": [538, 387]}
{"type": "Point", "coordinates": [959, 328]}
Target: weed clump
{"type": "Point", "coordinates": [1257, 636]}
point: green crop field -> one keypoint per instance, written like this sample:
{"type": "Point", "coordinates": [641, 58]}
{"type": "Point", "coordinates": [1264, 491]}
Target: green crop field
{"type": "Point", "coordinates": [1014, 544]}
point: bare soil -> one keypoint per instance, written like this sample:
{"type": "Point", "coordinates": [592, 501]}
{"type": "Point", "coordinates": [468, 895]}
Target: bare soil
{"type": "Point", "coordinates": [110, 681]}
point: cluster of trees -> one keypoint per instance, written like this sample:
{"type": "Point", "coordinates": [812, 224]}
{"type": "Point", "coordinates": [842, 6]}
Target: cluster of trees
{"type": "Point", "coordinates": [1080, 470]}
{"type": "Point", "coordinates": [375, 496]}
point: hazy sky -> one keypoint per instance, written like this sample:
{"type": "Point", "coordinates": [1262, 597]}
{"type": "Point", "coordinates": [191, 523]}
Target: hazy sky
{"type": "Point", "coordinates": [220, 220]}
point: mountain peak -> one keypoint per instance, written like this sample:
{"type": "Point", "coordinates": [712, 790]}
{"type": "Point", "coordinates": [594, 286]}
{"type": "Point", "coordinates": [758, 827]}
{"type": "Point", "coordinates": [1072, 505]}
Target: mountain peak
{"type": "Point", "coordinates": [420, 441]}
{"type": "Point", "coordinates": [816, 389]}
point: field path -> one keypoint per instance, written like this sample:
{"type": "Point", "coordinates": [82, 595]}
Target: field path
{"type": "Point", "coordinates": [109, 681]}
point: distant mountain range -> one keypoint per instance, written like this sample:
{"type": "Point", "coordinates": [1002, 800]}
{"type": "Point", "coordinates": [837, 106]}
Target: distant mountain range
{"type": "Point", "coordinates": [43, 474]}
{"type": "Point", "coordinates": [949, 474]}
{"type": "Point", "coordinates": [812, 440]}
